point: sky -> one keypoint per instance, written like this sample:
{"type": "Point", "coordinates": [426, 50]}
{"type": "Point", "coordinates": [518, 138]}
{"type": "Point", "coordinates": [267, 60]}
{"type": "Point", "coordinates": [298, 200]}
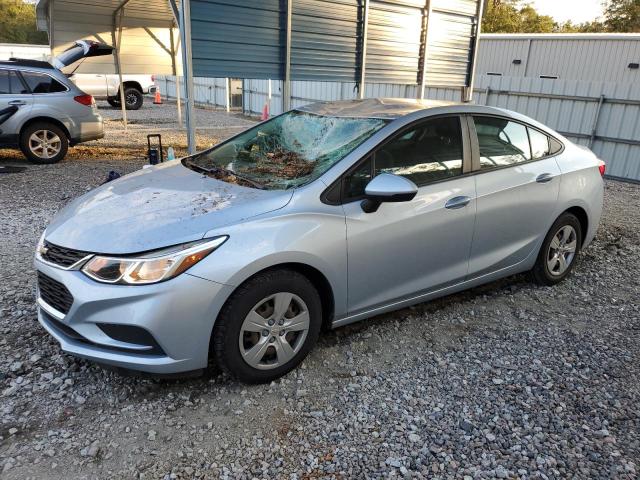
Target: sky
{"type": "Point", "coordinates": [577, 11]}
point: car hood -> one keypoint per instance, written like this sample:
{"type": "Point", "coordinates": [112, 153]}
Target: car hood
{"type": "Point", "coordinates": [154, 208]}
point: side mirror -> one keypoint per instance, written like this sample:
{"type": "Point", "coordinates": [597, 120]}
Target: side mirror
{"type": "Point", "coordinates": [387, 187]}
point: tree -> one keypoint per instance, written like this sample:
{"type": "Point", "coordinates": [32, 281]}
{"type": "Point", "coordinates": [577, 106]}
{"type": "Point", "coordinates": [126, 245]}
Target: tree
{"type": "Point", "coordinates": [18, 23]}
{"type": "Point", "coordinates": [622, 16]}
{"type": "Point", "coordinates": [510, 16]}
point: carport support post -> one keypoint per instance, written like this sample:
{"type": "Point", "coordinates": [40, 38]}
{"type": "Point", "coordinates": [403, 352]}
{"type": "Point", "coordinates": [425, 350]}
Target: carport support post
{"type": "Point", "coordinates": [467, 92]}
{"type": "Point", "coordinates": [187, 71]}
{"type": "Point", "coordinates": [174, 69]}
{"type": "Point", "coordinates": [286, 91]}
{"type": "Point", "coordinates": [118, 30]}
{"type": "Point", "coordinates": [425, 49]}
{"type": "Point", "coordinates": [363, 56]}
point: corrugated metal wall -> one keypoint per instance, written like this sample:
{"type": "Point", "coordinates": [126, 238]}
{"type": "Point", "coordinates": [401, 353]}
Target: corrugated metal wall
{"type": "Point", "coordinates": [230, 38]}
{"type": "Point", "coordinates": [324, 39]}
{"type": "Point", "coordinates": [450, 29]}
{"type": "Point", "coordinates": [598, 58]}
{"type": "Point", "coordinates": [393, 41]}
{"type": "Point", "coordinates": [246, 39]}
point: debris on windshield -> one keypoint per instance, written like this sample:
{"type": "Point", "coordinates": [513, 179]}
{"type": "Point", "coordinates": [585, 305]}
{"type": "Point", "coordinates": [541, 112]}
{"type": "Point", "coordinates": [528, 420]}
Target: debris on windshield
{"type": "Point", "coordinates": [289, 150]}
{"type": "Point", "coordinates": [229, 177]}
{"type": "Point", "coordinates": [284, 164]}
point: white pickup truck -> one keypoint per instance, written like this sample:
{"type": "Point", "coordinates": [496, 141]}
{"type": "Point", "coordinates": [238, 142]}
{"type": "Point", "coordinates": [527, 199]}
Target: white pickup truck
{"type": "Point", "coordinates": [105, 87]}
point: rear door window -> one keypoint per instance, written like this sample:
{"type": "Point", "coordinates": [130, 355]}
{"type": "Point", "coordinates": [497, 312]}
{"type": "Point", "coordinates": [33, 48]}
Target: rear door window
{"type": "Point", "coordinates": [502, 142]}
{"type": "Point", "coordinates": [42, 83]}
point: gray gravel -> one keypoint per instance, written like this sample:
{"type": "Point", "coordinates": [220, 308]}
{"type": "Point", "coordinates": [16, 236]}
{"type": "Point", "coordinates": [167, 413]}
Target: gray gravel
{"type": "Point", "coordinates": [508, 380]}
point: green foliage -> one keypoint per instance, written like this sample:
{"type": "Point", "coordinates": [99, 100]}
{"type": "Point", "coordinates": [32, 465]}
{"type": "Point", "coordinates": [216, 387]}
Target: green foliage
{"type": "Point", "coordinates": [517, 16]}
{"type": "Point", "coordinates": [18, 23]}
{"type": "Point", "coordinates": [510, 16]}
{"type": "Point", "coordinates": [622, 16]}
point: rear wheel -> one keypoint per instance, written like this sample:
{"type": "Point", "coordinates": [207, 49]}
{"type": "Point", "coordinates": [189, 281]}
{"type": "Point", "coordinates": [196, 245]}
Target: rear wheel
{"type": "Point", "coordinates": [44, 142]}
{"type": "Point", "coordinates": [133, 98]}
{"type": "Point", "coordinates": [559, 251]}
{"type": "Point", "coordinates": [268, 326]}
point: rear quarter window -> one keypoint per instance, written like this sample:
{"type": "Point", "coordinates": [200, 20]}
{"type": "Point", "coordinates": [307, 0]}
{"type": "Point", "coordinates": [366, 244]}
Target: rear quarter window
{"type": "Point", "coordinates": [42, 83]}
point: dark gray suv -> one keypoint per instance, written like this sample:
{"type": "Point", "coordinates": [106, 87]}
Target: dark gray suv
{"type": "Point", "coordinates": [41, 111]}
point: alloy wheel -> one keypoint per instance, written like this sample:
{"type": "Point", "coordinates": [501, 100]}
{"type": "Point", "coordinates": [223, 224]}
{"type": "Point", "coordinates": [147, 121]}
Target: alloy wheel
{"type": "Point", "coordinates": [131, 99]}
{"type": "Point", "coordinates": [562, 250]}
{"type": "Point", "coordinates": [45, 144]}
{"type": "Point", "coordinates": [274, 331]}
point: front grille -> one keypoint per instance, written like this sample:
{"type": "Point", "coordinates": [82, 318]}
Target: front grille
{"type": "Point", "coordinates": [54, 293]}
{"type": "Point", "coordinates": [64, 257]}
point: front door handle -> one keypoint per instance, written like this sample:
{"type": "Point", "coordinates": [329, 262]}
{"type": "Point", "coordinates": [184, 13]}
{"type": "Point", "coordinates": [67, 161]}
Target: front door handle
{"type": "Point", "coordinates": [457, 202]}
{"type": "Point", "coordinates": [17, 102]}
{"type": "Point", "coordinates": [545, 178]}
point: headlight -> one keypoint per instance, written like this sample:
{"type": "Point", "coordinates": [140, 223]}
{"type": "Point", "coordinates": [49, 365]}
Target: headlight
{"type": "Point", "coordinates": [153, 267]}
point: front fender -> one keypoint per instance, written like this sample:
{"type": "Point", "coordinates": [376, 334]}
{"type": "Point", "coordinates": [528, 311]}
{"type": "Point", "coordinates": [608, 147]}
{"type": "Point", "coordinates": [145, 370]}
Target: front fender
{"type": "Point", "coordinates": [317, 240]}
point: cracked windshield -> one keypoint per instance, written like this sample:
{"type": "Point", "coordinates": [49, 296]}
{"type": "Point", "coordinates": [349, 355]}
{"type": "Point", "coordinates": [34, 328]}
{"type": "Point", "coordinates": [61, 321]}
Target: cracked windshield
{"type": "Point", "coordinates": [286, 151]}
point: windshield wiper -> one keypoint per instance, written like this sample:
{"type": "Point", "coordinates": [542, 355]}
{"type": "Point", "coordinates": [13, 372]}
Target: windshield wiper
{"type": "Point", "coordinates": [225, 171]}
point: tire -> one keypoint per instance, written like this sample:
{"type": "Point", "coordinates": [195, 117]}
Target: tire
{"type": "Point", "coordinates": [114, 102]}
{"type": "Point", "coordinates": [44, 143]}
{"type": "Point", "coordinates": [232, 342]}
{"type": "Point", "coordinates": [133, 98]}
{"type": "Point", "coordinates": [559, 251]}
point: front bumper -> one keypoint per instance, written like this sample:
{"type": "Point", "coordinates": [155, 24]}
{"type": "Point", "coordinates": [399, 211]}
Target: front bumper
{"type": "Point", "coordinates": [178, 314]}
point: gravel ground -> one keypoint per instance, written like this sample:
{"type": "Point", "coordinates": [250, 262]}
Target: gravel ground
{"type": "Point", "coordinates": [119, 143]}
{"type": "Point", "coordinates": [507, 380]}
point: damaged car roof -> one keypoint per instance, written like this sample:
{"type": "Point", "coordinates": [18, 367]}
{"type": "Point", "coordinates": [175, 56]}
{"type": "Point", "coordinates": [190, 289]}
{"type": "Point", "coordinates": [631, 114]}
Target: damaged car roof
{"type": "Point", "coordinates": [387, 108]}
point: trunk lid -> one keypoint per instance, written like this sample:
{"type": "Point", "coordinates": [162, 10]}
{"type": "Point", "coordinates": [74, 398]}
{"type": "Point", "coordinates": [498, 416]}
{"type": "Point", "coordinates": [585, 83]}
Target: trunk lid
{"type": "Point", "coordinates": [79, 50]}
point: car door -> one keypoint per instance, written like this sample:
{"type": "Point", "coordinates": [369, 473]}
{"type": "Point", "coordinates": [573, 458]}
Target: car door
{"type": "Point", "coordinates": [15, 105]}
{"type": "Point", "coordinates": [406, 249]}
{"type": "Point", "coordinates": [517, 191]}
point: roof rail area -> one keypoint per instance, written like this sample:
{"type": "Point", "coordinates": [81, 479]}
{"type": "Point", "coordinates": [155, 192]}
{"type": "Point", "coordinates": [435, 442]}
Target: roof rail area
{"type": "Point", "coordinates": [24, 62]}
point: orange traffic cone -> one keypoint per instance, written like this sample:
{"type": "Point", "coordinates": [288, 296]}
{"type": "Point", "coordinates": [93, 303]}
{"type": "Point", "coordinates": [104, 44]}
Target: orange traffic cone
{"type": "Point", "coordinates": [265, 112]}
{"type": "Point", "coordinates": [157, 100]}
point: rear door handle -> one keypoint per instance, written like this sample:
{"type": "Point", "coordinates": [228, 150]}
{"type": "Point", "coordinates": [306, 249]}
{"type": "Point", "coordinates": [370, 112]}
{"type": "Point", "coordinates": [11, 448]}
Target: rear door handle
{"type": "Point", "coordinates": [544, 178]}
{"type": "Point", "coordinates": [457, 202]}
{"type": "Point", "coordinates": [17, 102]}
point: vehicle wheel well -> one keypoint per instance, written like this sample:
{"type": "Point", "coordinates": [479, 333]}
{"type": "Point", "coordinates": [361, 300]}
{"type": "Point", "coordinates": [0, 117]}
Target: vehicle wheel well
{"type": "Point", "coordinates": [57, 123]}
{"type": "Point", "coordinates": [319, 281]}
{"type": "Point", "coordinates": [582, 217]}
{"type": "Point", "coordinates": [132, 84]}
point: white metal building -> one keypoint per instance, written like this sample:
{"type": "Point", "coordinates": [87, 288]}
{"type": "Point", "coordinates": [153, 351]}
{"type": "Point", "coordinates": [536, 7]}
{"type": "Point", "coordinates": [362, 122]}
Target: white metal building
{"type": "Point", "coordinates": [32, 52]}
{"type": "Point", "coordinates": [586, 57]}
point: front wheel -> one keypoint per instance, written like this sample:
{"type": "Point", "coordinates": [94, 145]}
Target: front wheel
{"type": "Point", "coordinates": [44, 142]}
{"type": "Point", "coordinates": [268, 326]}
{"type": "Point", "coordinates": [559, 251]}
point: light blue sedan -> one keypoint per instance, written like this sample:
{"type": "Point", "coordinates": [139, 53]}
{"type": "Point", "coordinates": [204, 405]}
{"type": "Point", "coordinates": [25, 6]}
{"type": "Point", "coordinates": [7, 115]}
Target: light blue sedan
{"type": "Point", "coordinates": [323, 216]}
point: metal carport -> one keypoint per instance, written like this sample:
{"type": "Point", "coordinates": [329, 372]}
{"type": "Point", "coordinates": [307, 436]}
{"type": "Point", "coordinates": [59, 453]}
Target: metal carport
{"type": "Point", "coordinates": [419, 42]}
{"type": "Point", "coordinates": [143, 33]}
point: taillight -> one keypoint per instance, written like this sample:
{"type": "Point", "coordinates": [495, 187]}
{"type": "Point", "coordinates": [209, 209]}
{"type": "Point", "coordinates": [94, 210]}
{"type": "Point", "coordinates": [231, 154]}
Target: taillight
{"type": "Point", "coordinates": [602, 167]}
{"type": "Point", "coordinates": [85, 100]}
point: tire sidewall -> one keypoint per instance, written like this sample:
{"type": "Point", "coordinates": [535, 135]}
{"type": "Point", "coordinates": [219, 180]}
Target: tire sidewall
{"type": "Point", "coordinates": [227, 329]}
{"type": "Point", "coordinates": [541, 270]}
{"type": "Point", "coordinates": [139, 98]}
{"type": "Point", "coordinates": [24, 143]}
